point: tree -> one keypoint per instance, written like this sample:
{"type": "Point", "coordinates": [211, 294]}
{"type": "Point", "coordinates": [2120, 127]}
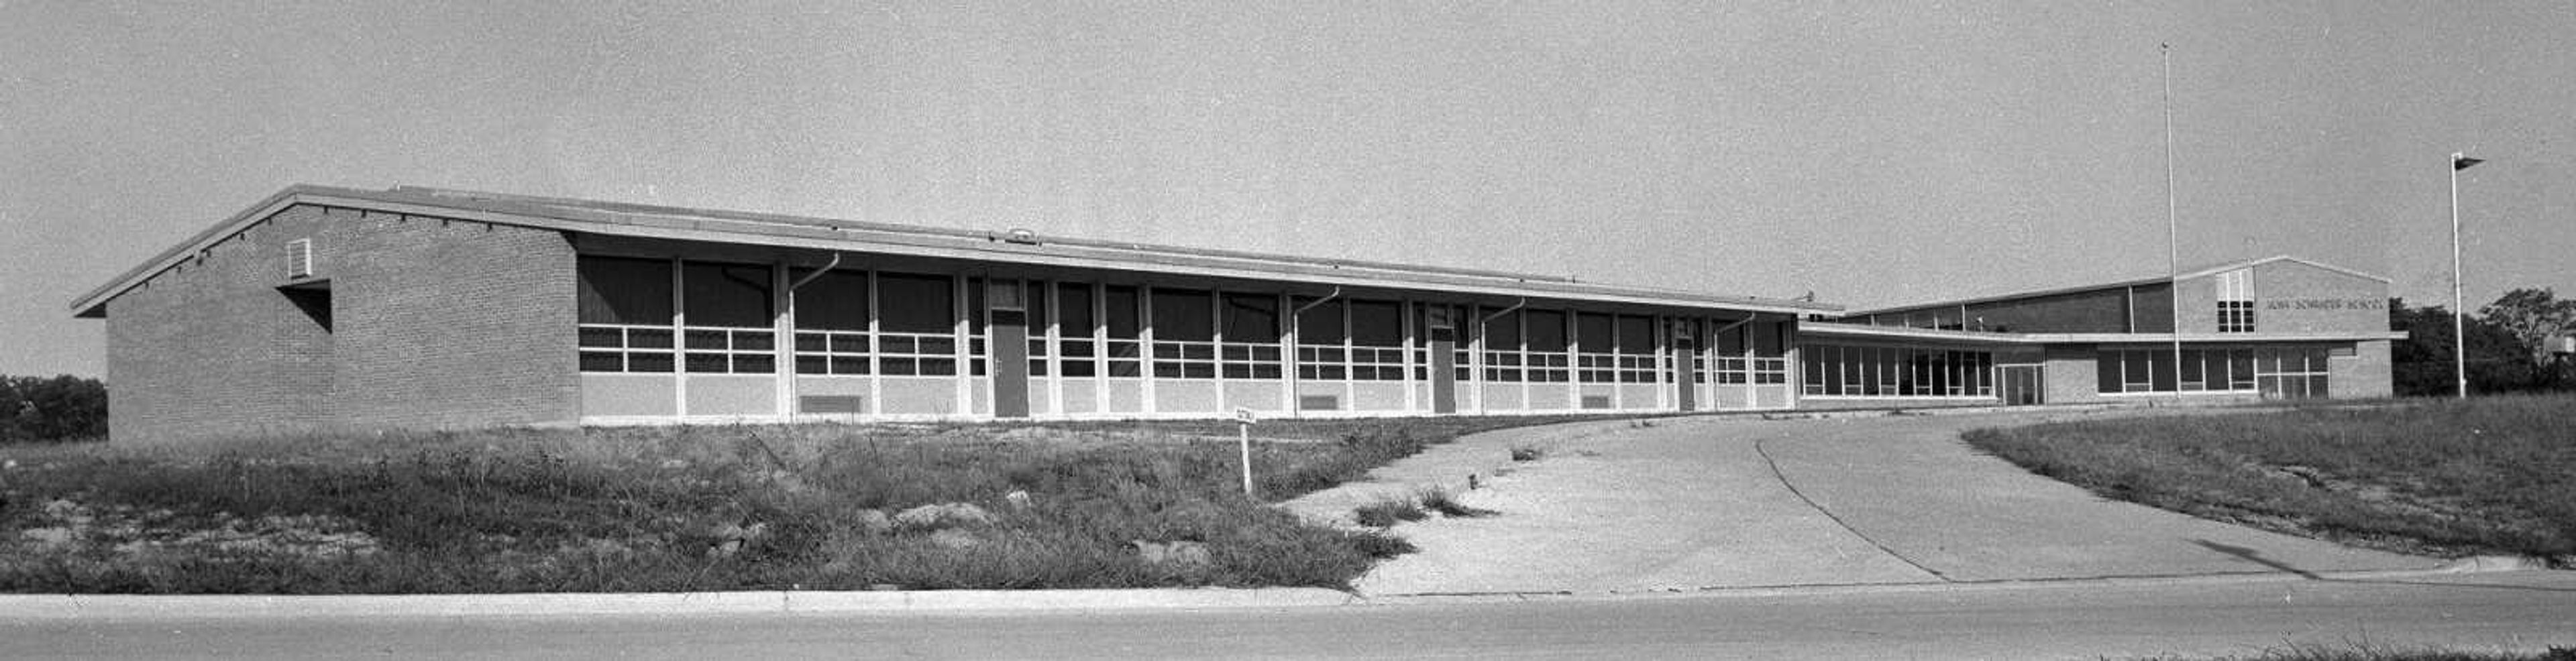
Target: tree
{"type": "Point", "coordinates": [63, 408]}
{"type": "Point", "coordinates": [2533, 316]}
{"type": "Point", "coordinates": [2422, 362]}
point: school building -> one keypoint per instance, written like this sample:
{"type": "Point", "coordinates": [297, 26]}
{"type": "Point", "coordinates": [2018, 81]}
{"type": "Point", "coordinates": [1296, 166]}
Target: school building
{"type": "Point", "coordinates": [323, 309]}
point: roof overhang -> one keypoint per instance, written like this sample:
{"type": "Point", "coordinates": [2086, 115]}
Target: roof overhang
{"type": "Point", "coordinates": [829, 235]}
{"type": "Point", "coordinates": [1901, 333]}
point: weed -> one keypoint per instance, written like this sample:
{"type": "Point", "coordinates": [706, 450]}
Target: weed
{"type": "Point", "coordinates": [1387, 512]}
{"type": "Point", "coordinates": [2484, 475]}
{"type": "Point", "coordinates": [1440, 501]}
{"type": "Point", "coordinates": [691, 508]}
{"type": "Point", "coordinates": [1527, 453]}
{"type": "Point", "coordinates": [2371, 651]}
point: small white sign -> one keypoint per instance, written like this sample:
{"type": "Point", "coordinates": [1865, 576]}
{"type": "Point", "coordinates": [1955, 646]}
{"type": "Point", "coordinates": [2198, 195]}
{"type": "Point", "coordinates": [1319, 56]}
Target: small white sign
{"type": "Point", "coordinates": [1245, 416]}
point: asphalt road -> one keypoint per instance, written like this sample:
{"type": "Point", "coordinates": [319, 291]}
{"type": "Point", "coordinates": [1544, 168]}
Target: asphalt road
{"type": "Point", "coordinates": [2049, 620]}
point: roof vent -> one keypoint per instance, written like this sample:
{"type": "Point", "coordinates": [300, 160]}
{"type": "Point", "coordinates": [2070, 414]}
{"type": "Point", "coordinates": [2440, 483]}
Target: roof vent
{"type": "Point", "coordinates": [1021, 236]}
{"type": "Point", "coordinates": [299, 258]}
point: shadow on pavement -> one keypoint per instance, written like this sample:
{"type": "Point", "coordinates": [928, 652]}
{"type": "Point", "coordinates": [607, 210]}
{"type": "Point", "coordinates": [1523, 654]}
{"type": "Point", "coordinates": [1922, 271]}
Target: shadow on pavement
{"type": "Point", "coordinates": [2256, 557]}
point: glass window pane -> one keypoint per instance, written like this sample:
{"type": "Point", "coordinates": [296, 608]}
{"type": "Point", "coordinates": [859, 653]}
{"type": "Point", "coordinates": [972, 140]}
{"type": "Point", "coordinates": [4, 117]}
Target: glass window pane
{"type": "Point", "coordinates": [1769, 339]}
{"type": "Point", "coordinates": [1251, 318]}
{"type": "Point", "coordinates": [976, 310]}
{"type": "Point", "coordinates": [1377, 323]}
{"type": "Point", "coordinates": [1592, 332]}
{"type": "Point", "coordinates": [1073, 309]}
{"type": "Point", "coordinates": [603, 337]}
{"type": "Point", "coordinates": [913, 303]}
{"type": "Point", "coordinates": [1123, 319]}
{"type": "Point", "coordinates": [648, 362]}
{"type": "Point", "coordinates": [726, 295]}
{"type": "Point", "coordinates": [603, 361]}
{"type": "Point", "coordinates": [1183, 314]}
{"type": "Point", "coordinates": [648, 338]}
{"type": "Point", "coordinates": [1321, 324]}
{"type": "Point", "coordinates": [1504, 332]}
{"type": "Point", "coordinates": [615, 290]}
{"type": "Point", "coordinates": [2162, 364]}
{"type": "Point", "coordinates": [1546, 330]}
{"type": "Point", "coordinates": [1636, 334]}
{"type": "Point", "coordinates": [836, 301]}
{"type": "Point", "coordinates": [2107, 364]}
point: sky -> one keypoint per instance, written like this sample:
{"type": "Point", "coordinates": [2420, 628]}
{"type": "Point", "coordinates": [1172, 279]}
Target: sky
{"type": "Point", "coordinates": [1871, 153]}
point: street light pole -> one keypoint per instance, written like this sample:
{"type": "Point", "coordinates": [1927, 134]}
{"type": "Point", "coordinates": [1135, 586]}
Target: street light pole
{"type": "Point", "coordinates": [2173, 227]}
{"type": "Point", "coordinates": [2459, 338]}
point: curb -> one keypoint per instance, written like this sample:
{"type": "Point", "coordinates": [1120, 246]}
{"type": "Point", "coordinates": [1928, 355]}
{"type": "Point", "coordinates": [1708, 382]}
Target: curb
{"type": "Point", "coordinates": [231, 607]}
{"type": "Point", "coordinates": [1861, 589]}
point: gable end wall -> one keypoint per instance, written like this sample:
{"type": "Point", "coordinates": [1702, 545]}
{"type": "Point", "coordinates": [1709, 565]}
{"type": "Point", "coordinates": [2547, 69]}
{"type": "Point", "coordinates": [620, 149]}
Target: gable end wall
{"type": "Point", "coordinates": [434, 324]}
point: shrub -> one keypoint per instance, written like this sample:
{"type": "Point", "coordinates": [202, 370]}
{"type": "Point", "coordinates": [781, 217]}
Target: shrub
{"type": "Point", "coordinates": [63, 408]}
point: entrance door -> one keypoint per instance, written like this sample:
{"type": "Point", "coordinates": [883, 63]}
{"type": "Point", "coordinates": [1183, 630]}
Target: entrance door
{"type": "Point", "coordinates": [2021, 385]}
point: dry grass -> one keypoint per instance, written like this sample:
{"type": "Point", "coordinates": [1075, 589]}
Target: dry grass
{"type": "Point", "coordinates": [2485, 475]}
{"type": "Point", "coordinates": [691, 508]}
{"type": "Point", "coordinates": [2367, 651]}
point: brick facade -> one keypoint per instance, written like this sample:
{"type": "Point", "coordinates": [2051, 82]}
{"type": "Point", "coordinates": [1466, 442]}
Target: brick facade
{"type": "Point", "coordinates": [432, 323]}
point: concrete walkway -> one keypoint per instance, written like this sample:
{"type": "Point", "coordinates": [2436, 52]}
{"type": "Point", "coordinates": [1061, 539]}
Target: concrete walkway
{"type": "Point", "coordinates": [1698, 503]}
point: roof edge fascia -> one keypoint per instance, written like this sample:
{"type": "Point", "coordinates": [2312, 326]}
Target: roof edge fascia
{"type": "Point", "coordinates": [860, 236]}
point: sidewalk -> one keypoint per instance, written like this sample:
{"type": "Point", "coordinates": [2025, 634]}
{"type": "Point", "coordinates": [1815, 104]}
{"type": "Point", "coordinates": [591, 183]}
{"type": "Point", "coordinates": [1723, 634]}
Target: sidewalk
{"type": "Point", "coordinates": [1690, 504]}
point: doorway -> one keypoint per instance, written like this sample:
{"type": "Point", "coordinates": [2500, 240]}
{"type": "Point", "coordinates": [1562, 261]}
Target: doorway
{"type": "Point", "coordinates": [2021, 385]}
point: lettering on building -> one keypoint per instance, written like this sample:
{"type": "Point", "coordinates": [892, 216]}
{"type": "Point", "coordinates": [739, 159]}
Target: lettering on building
{"type": "Point", "coordinates": [2325, 304]}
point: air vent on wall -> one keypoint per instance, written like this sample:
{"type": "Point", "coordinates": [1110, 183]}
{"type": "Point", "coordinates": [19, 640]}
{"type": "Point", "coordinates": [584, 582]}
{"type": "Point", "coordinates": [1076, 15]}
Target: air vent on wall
{"type": "Point", "coordinates": [843, 404]}
{"type": "Point", "coordinates": [1318, 403]}
{"type": "Point", "coordinates": [299, 258]}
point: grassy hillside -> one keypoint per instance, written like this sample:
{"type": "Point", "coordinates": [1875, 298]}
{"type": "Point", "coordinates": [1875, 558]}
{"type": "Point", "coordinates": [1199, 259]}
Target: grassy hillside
{"type": "Point", "coordinates": [695, 508]}
{"type": "Point", "coordinates": [2446, 477]}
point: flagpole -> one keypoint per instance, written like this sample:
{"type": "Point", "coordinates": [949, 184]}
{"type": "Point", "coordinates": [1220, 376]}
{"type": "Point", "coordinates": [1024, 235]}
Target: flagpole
{"type": "Point", "coordinates": [2173, 225]}
{"type": "Point", "coordinates": [2459, 339]}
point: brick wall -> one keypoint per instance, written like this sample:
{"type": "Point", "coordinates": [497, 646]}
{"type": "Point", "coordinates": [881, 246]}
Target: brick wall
{"type": "Point", "coordinates": [433, 323]}
{"type": "Point", "coordinates": [447, 323]}
{"type": "Point", "coordinates": [210, 348]}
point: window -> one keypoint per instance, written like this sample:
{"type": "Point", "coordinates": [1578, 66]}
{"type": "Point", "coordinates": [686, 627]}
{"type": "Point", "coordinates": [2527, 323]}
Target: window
{"type": "Point", "coordinates": [832, 324]}
{"type": "Point", "coordinates": [1898, 372]}
{"type": "Point", "coordinates": [1377, 341]}
{"type": "Point", "coordinates": [1546, 360]}
{"type": "Point", "coordinates": [727, 308]}
{"type": "Point", "coordinates": [1770, 353]}
{"type": "Point", "coordinates": [2236, 301]}
{"type": "Point", "coordinates": [1251, 346]}
{"type": "Point", "coordinates": [1184, 334]}
{"type": "Point", "coordinates": [1124, 327]}
{"type": "Point", "coordinates": [1638, 361]}
{"type": "Point", "coordinates": [2291, 372]}
{"type": "Point", "coordinates": [2200, 370]}
{"type": "Point", "coordinates": [917, 324]}
{"type": "Point", "coordinates": [625, 314]}
{"type": "Point", "coordinates": [1322, 340]}
{"type": "Point", "coordinates": [1077, 324]}
{"type": "Point", "coordinates": [1595, 358]}
{"type": "Point", "coordinates": [1503, 348]}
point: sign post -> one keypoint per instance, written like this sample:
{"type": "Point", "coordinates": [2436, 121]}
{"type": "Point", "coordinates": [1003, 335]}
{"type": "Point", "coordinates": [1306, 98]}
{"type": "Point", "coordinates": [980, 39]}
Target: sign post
{"type": "Point", "coordinates": [1243, 419]}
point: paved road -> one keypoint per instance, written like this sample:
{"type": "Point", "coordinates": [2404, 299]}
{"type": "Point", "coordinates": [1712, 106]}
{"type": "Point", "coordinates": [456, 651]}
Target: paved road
{"type": "Point", "coordinates": [1737, 502]}
{"type": "Point", "coordinates": [2053, 620]}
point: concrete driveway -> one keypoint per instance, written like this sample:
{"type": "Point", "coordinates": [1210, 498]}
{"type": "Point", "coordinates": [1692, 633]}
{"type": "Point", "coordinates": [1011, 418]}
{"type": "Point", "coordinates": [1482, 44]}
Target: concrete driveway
{"type": "Point", "coordinates": [1687, 504]}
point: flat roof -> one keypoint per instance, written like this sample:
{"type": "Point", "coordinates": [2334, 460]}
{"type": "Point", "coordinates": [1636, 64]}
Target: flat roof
{"type": "Point", "coordinates": [1864, 331]}
{"type": "Point", "coordinates": [2203, 271]}
{"type": "Point", "coordinates": [754, 228]}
